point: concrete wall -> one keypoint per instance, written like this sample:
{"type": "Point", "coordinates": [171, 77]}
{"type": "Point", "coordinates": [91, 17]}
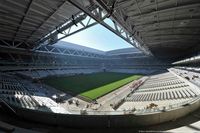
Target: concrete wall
{"type": "Point", "coordinates": [116, 121]}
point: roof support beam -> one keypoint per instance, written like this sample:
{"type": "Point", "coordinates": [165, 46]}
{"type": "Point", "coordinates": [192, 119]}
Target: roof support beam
{"type": "Point", "coordinates": [14, 45]}
{"type": "Point", "coordinates": [158, 35]}
{"type": "Point", "coordinates": [185, 36]}
{"type": "Point", "coordinates": [162, 10]}
{"type": "Point", "coordinates": [97, 16]}
{"type": "Point", "coordinates": [47, 19]}
{"type": "Point", "coordinates": [66, 31]}
{"type": "Point", "coordinates": [165, 21]}
{"type": "Point", "coordinates": [22, 20]}
{"type": "Point", "coordinates": [170, 29]}
{"type": "Point", "coordinates": [172, 41]}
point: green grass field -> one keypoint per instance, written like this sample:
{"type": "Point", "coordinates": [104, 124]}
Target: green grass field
{"type": "Point", "coordinates": [91, 86]}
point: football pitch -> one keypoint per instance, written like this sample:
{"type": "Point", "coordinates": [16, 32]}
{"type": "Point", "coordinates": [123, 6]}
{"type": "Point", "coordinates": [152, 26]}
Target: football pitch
{"type": "Point", "coordinates": [91, 86]}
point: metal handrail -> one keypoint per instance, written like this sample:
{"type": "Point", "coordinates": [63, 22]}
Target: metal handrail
{"type": "Point", "coordinates": [7, 105]}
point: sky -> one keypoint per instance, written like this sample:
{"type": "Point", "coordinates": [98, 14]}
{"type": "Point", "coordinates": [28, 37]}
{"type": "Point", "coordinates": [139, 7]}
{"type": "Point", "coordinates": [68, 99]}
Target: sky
{"type": "Point", "coordinates": [98, 37]}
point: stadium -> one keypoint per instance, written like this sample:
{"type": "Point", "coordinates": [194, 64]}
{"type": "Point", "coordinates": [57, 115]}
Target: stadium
{"type": "Point", "coordinates": [50, 85]}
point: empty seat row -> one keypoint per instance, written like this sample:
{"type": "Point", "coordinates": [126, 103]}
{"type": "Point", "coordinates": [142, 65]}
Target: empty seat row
{"type": "Point", "coordinates": [166, 95]}
{"type": "Point", "coordinates": [24, 101]}
{"type": "Point", "coordinates": [11, 87]}
{"type": "Point", "coordinates": [162, 88]}
{"type": "Point", "coordinates": [13, 92]}
{"type": "Point", "coordinates": [160, 84]}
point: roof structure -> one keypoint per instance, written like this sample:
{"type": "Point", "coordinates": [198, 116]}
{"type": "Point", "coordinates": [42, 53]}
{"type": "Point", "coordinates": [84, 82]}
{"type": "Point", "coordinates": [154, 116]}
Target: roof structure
{"type": "Point", "coordinates": [163, 28]}
{"type": "Point", "coordinates": [166, 27]}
